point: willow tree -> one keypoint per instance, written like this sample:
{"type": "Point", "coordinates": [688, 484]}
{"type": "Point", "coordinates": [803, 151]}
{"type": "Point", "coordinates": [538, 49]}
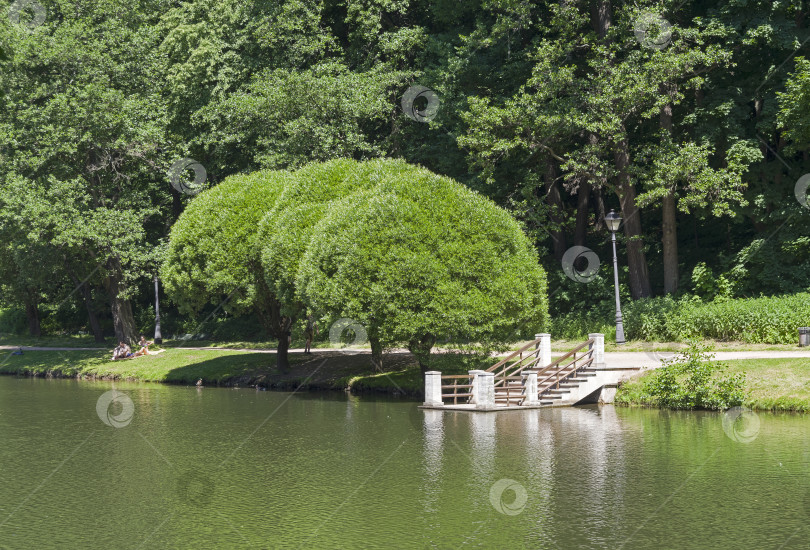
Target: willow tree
{"type": "Point", "coordinates": [286, 230]}
{"type": "Point", "coordinates": [418, 256]}
{"type": "Point", "coordinates": [213, 257]}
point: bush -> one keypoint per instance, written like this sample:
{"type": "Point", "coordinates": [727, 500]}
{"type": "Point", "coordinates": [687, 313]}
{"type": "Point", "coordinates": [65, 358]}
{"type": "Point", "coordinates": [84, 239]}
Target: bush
{"type": "Point", "coordinates": [771, 320]}
{"type": "Point", "coordinates": [13, 321]}
{"type": "Point", "coordinates": [688, 381]}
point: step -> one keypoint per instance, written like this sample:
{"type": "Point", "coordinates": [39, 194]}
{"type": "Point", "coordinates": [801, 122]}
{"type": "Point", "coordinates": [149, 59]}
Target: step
{"type": "Point", "coordinates": [546, 402]}
{"type": "Point", "coordinates": [552, 397]}
{"type": "Point", "coordinates": [569, 383]}
{"type": "Point", "coordinates": [555, 392]}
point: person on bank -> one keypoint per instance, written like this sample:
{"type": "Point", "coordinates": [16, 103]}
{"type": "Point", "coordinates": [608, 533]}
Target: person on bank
{"type": "Point", "coordinates": [123, 351]}
{"type": "Point", "coordinates": [144, 346]}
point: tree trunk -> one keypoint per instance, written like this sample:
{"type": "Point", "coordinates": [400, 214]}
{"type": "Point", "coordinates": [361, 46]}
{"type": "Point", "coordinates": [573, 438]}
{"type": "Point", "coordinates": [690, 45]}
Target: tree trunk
{"type": "Point", "coordinates": [421, 350]}
{"type": "Point", "coordinates": [636, 260]}
{"type": "Point", "coordinates": [32, 314]}
{"type": "Point", "coordinates": [95, 327]}
{"type": "Point", "coordinates": [283, 348]}
{"type": "Point", "coordinates": [669, 240]}
{"type": "Point", "coordinates": [583, 195]}
{"type": "Point", "coordinates": [268, 308]}
{"type": "Point", "coordinates": [557, 211]}
{"type": "Point", "coordinates": [123, 319]}
{"type": "Point", "coordinates": [376, 353]}
{"type": "Point", "coordinates": [600, 208]}
{"type": "Point", "coordinates": [601, 17]}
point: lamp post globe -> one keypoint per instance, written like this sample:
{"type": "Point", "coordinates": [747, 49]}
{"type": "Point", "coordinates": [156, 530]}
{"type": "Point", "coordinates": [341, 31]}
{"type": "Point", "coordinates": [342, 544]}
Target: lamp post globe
{"type": "Point", "coordinates": [613, 221]}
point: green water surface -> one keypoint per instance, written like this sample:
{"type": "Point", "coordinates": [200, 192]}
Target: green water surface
{"type": "Point", "coordinates": [219, 468]}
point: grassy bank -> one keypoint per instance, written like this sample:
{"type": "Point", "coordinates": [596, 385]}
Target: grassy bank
{"type": "Point", "coordinates": [320, 371]}
{"type": "Point", "coordinates": [773, 384]}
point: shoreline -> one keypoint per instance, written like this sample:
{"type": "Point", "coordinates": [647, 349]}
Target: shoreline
{"type": "Point", "coordinates": [322, 371]}
{"type": "Point", "coordinates": [776, 383]}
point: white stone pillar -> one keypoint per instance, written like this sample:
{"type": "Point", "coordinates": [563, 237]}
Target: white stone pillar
{"type": "Point", "coordinates": [433, 389]}
{"type": "Point", "coordinates": [486, 391]}
{"type": "Point", "coordinates": [530, 388]}
{"type": "Point", "coordinates": [598, 347]}
{"type": "Point", "coordinates": [474, 381]}
{"type": "Point", "coordinates": [543, 350]}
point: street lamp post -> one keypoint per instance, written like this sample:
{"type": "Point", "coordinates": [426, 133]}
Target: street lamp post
{"type": "Point", "coordinates": [613, 222]}
{"type": "Point", "coordinates": [158, 336]}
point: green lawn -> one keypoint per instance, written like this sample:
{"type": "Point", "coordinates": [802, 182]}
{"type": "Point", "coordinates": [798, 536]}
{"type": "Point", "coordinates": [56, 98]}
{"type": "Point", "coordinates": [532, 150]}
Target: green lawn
{"type": "Point", "coordinates": [557, 346]}
{"type": "Point", "coordinates": [774, 384]}
{"type": "Point", "coordinates": [170, 366]}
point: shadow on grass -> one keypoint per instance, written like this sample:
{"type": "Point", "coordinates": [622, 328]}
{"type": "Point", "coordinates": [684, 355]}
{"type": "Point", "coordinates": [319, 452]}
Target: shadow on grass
{"type": "Point", "coordinates": [320, 371]}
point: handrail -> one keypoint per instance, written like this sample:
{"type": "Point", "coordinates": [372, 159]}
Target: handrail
{"type": "Point", "coordinates": [587, 342]}
{"type": "Point", "coordinates": [502, 375]}
{"type": "Point", "coordinates": [512, 355]}
{"type": "Point", "coordinates": [558, 371]}
{"type": "Point", "coordinates": [455, 386]}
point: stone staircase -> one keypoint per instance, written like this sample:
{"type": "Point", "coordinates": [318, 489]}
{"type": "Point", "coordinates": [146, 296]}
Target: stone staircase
{"type": "Point", "coordinates": [528, 378]}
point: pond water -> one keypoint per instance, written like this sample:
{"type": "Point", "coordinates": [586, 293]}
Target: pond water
{"type": "Point", "coordinates": [157, 466]}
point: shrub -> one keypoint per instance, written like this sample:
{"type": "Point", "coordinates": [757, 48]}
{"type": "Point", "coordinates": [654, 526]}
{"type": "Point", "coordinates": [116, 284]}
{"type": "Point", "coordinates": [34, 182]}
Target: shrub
{"type": "Point", "coordinates": [768, 320]}
{"type": "Point", "coordinates": [690, 380]}
{"type": "Point", "coordinates": [13, 321]}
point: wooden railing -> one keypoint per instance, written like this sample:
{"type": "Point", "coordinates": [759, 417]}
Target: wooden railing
{"type": "Point", "coordinates": [551, 376]}
{"type": "Point", "coordinates": [454, 385]}
{"type": "Point", "coordinates": [457, 388]}
{"type": "Point", "coordinates": [508, 368]}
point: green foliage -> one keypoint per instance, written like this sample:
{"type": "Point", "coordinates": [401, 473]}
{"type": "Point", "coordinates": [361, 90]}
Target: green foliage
{"type": "Point", "coordinates": [12, 321]}
{"type": "Point", "coordinates": [691, 380]}
{"type": "Point", "coordinates": [286, 231]}
{"type": "Point", "coordinates": [772, 320]}
{"type": "Point", "coordinates": [419, 257]}
{"type": "Point", "coordinates": [767, 320]}
{"type": "Point", "coordinates": [213, 252]}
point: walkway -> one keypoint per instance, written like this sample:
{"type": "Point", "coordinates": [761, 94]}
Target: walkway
{"type": "Point", "coordinates": [616, 359]}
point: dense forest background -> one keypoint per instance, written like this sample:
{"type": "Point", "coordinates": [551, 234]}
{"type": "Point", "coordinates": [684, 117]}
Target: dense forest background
{"type": "Point", "coordinates": [691, 119]}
